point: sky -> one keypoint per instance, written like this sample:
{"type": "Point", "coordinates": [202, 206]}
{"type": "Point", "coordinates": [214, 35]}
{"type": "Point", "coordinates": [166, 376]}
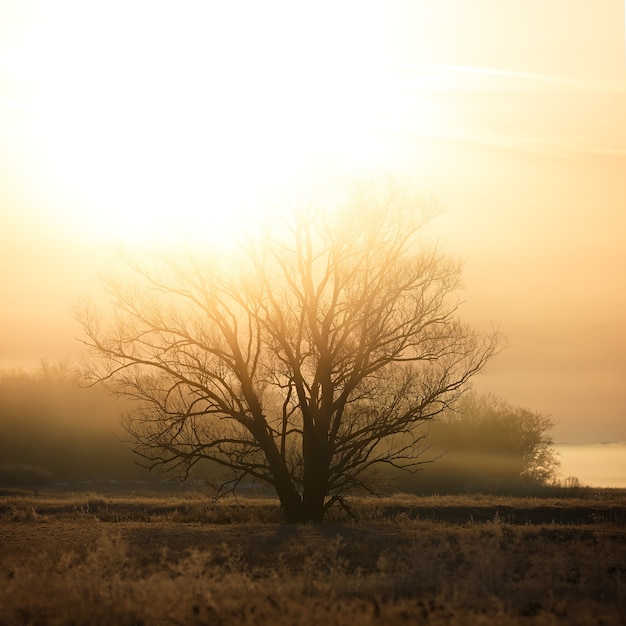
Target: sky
{"type": "Point", "coordinates": [138, 124]}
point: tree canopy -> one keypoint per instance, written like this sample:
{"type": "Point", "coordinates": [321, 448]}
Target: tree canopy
{"type": "Point", "coordinates": [310, 358]}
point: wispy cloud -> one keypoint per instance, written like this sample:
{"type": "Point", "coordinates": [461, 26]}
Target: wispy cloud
{"type": "Point", "coordinates": [531, 113]}
{"type": "Point", "coordinates": [443, 77]}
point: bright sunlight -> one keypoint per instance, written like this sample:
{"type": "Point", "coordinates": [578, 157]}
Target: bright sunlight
{"type": "Point", "coordinates": [149, 122]}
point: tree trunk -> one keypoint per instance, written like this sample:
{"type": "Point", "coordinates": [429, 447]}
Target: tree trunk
{"type": "Point", "coordinates": [316, 473]}
{"type": "Point", "coordinates": [313, 501]}
{"type": "Point", "coordinates": [309, 507]}
{"type": "Point", "coordinates": [290, 500]}
{"type": "Point", "coordinates": [292, 506]}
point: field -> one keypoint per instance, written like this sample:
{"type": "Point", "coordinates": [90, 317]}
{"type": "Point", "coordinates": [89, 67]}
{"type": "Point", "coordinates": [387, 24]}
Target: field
{"type": "Point", "coordinates": [86, 558]}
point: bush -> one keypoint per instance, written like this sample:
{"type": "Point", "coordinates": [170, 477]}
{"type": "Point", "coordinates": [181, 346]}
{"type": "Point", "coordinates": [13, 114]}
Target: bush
{"type": "Point", "coordinates": [485, 444]}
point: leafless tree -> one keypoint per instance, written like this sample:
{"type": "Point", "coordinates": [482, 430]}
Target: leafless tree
{"type": "Point", "coordinates": [316, 355]}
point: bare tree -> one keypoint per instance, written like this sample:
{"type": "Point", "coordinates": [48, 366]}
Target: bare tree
{"type": "Point", "coordinates": [315, 356]}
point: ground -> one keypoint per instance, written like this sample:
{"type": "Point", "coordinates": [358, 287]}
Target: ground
{"type": "Point", "coordinates": [165, 560]}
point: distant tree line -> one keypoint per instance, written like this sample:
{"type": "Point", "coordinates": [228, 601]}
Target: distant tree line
{"type": "Point", "coordinates": [54, 430]}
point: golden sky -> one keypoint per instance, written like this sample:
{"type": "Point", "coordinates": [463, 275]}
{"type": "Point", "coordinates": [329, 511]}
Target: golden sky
{"type": "Point", "coordinates": [147, 122]}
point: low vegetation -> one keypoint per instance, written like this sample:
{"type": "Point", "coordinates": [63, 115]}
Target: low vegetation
{"type": "Point", "coordinates": [54, 431]}
{"type": "Point", "coordinates": [88, 558]}
{"type": "Point", "coordinates": [485, 444]}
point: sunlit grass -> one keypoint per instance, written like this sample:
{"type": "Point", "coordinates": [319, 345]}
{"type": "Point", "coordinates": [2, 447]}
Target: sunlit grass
{"type": "Point", "coordinates": [198, 507]}
{"type": "Point", "coordinates": [141, 559]}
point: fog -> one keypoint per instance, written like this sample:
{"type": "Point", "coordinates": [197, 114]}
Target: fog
{"type": "Point", "coordinates": [512, 117]}
{"type": "Point", "coordinates": [598, 465]}
{"type": "Point", "coordinates": [53, 431]}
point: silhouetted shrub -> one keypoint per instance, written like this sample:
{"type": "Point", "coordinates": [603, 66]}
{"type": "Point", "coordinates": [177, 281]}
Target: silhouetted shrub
{"type": "Point", "coordinates": [486, 445]}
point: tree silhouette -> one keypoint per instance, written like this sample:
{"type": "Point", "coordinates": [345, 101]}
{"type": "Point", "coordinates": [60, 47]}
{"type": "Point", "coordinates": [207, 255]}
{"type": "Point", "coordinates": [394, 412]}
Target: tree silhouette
{"type": "Point", "coordinates": [486, 444]}
{"type": "Point", "coordinates": [314, 357]}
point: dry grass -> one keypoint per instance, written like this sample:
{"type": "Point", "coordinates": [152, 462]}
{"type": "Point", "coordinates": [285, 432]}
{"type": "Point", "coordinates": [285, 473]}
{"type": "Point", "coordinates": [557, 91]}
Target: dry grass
{"type": "Point", "coordinates": [93, 559]}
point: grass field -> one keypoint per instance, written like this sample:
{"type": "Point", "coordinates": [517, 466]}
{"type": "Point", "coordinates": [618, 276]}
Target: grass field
{"type": "Point", "coordinates": [161, 559]}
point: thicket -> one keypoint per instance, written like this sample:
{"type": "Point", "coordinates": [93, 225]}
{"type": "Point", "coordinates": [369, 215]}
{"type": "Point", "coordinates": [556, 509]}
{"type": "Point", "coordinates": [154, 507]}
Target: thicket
{"type": "Point", "coordinates": [486, 444]}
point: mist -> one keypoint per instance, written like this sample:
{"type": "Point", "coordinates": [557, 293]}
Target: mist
{"type": "Point", "coordinates": [53, 431]}
{"type": "Point", "coordinates": [595, 465]}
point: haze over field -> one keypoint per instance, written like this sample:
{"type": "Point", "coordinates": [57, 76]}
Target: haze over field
{"type": "Point", "coordinates": [147, 124]}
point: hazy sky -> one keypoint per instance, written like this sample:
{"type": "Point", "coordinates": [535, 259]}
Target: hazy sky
{"type": "Point", "coordinates": [140, 122]}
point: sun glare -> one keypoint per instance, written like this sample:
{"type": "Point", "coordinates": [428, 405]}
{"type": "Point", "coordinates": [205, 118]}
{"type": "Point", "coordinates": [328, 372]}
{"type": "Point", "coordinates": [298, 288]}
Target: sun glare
{"type": "Point", "coordinates": [149, 123]}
